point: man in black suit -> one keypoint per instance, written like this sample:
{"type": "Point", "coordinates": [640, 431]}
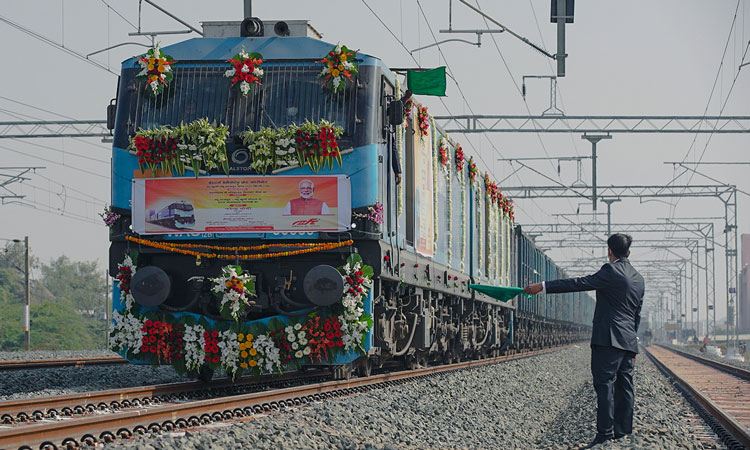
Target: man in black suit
{"type": "Point", "coordinates": [619, 297]}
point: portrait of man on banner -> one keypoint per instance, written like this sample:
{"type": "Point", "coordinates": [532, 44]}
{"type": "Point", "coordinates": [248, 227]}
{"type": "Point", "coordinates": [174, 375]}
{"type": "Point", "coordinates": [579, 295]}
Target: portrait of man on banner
{"type": "Point", "coordinates": [306, 204]}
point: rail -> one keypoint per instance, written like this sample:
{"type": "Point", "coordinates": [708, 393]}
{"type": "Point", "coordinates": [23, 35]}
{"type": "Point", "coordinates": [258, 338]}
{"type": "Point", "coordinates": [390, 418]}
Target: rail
{"type": "Point", "coordinates": [90, 429]}
{"type": "Point", "coordinates": [713, 389]}
{"type": "Point", "coordinates": [67, 362]}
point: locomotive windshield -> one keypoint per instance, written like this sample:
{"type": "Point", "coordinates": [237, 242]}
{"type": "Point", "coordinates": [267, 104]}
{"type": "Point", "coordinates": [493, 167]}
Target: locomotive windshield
{"type": "Point", "coordinates": [290, 93]}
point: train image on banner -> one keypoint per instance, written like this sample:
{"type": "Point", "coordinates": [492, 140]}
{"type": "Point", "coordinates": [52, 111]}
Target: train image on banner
{"type": "Point", "coordinates": [178, 215]}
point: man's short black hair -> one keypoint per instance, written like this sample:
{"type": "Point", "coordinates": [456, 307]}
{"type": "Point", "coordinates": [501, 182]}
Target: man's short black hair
{"type": "Point", "coordinates": [619, 244]}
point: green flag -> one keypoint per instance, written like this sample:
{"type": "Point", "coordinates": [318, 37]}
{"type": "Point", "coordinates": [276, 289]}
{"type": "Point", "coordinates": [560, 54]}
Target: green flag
{"type": "Point", "coordinates": [427, 82]}
{"type": "Point", "coordinates": [498, 292]}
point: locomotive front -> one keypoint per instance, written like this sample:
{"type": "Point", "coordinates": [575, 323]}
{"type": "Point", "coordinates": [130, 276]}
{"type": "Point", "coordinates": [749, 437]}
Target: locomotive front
{"type": "Point", "coordinates": [237, 178]}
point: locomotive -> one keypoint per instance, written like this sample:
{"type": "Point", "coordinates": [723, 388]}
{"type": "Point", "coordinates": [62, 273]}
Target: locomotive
{"type": "Point", "coordinates": [328, 222]}
{"type": "Point", "coordinates": [175, 215]}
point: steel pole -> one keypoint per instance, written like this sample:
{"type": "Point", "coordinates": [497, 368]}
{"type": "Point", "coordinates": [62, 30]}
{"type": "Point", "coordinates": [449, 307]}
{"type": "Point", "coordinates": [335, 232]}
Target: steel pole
{"type": "Point", "coordinates": [560, 56]}
{"type": "Point", "coordinates": [26, 308]}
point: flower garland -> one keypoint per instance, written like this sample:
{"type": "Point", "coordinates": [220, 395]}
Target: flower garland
{"type": "Point", "coordinates": [178, 248]}
{"type": "Point", "coordinates": [125, 272]}
{"type": "Point", "coordinates": [108, 216]}
{"type": "Point", "coordinates": [374, 213]}
{"type": "Point", "coordinates": [271, 148]}
{"type": "Point", "coordinates": [297, 335]}
{"type": "Point", "coordinates": [435, 157]}
{"type": "Point", "coordinates": [234, 288]}
{"type": "Point", "coordinates": [246, 69]}
{"type": "Point", "coordinates": [444, 158]}
{"type": "Point", "coordinates": [462, 182]}
{"type": "Point", "coordinates": [458, 157]}
{"type": "Point", "coordinates": [339, 66]}
{"type": "Point", "coordinates": [229, 351]}
{"type": "Point", "coordinates": [317, 145]}
{"type": "Point", "coordinates": [400, 148]}
{"type": "Point", "coordinates": [480, 229]}
{"type": "Point", "coordinates": [408, 107]}
{"type": "Point", "coordinates": [163, 340]}
{"type": "Point", "coordinates": [248, 353]}
{"type": "Point", "coordinates": [198, 144]}
{"type": "Point", "coordinates": [449, 208]}
{"type": "Point", "coordinates": [188, 343]}
{"type": "Point", "coordinates": [357, 285]}
{"type": "Point", "coordinates": [499, 248]}
{"type": "Point", "coordinates": [269, 356]}
{"type": "Point", "coordinates": [126, 331]}
{"type": "Point", "coordinates": [202, 143]}
{"type": "Point", "coordinates": [509, 230]}
{"type": "Point", "coordinates": [503, 245]}
{"type": "Point", "coordinates": [195, 347]}
{"type": "Point", "coordinates": [473, 172]}
{"type": "Point", "coordinates": [155, 70]}
{"type": "Point", "coordinates": [155, 148]}
{"type": "Point", "coordinates": [423, 120]}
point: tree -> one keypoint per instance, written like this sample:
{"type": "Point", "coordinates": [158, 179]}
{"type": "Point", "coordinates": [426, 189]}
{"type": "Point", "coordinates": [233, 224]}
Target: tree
{"type": "Point", "coordinates": [80, 283]}
{"type": "Point", "coordinates": [66, 289]}
{"type": "Point", "coordinates": [12, 272]}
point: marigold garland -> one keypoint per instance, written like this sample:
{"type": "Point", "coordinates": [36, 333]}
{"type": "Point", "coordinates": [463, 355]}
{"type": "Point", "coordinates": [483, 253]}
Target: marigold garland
{"type": "Point", "coordinates": [172, 247]}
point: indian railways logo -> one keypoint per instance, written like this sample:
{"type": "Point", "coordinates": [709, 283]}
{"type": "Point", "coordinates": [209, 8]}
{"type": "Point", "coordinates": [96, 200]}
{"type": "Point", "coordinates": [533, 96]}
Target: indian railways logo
{"type": "Point", "coordinates": [305, 223]}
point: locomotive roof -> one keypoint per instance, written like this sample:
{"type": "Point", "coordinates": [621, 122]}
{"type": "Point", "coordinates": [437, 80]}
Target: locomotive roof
{"type": "Point", "coordinates": [272, 48]}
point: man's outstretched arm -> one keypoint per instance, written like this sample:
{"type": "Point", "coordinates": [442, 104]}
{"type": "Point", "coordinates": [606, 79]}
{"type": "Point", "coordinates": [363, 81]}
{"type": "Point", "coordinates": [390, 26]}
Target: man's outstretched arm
{"type": "Point", "coordinates": [588, 283]}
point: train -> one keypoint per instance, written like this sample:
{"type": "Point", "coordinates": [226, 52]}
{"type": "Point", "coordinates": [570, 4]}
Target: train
{"type": "Point", "coordinates": [331, 222]}
{"type": "Point", "coordinates": [177, 215]}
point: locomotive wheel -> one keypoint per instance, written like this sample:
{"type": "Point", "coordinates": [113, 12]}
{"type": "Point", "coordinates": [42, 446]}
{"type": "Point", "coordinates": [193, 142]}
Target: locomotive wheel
{"type": "Point", "coordinates": [205, 374]}
{"type": "Point", "coordinates": [364, 369]}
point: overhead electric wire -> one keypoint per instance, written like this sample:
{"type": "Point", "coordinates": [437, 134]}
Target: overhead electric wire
{"type": "Point", "coordinates": [56, 162]}
{"type": "Point", "coordinates": [710, 97]}
{"type": "Point", "coordinates": [526, 105]}
{"type": "Point", "coordinates": [59, 46]}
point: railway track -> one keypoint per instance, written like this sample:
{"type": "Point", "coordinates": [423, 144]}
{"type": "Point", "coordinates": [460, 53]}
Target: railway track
{"type": "Point", "coordinates": [103, 422]}
{"type": "Point", "coordinates": [720, 393]}
{"type": "Point", "coordinates": [52, 363]}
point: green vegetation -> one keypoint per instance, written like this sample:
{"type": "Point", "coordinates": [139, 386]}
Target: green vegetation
{"type": "Point", "coordinates": [67, 303]}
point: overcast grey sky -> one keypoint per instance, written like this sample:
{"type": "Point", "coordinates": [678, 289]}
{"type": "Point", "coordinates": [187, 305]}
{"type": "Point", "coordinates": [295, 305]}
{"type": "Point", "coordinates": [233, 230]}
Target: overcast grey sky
{"type": "Point", "coordinates": [628, 58]}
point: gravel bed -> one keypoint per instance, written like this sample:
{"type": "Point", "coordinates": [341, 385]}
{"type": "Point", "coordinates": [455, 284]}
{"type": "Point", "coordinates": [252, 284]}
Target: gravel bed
{"type": "Point", "coordinates": [52, 354]}
{"type": "Point", "coordinates": [541, 402]}
{"type": "Point", "coordinates": [23, 384]}
{"type": "Point", "coordinates": [741, 364]}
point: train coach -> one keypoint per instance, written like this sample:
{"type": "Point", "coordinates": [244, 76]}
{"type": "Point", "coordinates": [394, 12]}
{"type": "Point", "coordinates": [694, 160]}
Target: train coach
{"type": "Point", "coordinates": [331, 223]}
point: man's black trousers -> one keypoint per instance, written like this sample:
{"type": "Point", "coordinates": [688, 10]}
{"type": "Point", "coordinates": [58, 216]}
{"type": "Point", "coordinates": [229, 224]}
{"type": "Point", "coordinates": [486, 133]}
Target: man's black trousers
{"type": "Point", "coordinates": [612, 369]}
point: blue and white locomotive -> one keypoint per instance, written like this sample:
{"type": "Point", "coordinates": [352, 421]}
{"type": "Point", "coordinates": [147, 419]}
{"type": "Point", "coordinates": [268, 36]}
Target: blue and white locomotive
{"type": "Point", "coordinates": [399, 196]}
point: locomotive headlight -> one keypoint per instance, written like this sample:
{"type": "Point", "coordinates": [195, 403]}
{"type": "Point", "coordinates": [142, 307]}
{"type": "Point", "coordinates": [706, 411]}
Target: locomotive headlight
{"type": "Point", "coordinates": [323, 285]}
{"type": "Point", "coordinates": [150, 286]}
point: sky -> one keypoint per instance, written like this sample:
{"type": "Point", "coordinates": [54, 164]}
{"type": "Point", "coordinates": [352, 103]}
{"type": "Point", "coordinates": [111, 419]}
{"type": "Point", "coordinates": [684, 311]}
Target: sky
{"type": "Point", "coordinates": [625, 58]}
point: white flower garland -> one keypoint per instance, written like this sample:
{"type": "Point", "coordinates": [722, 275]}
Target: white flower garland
{"type": "Point", "coordinates": [462, 182]}
{"type": "Point", "coordinates": [492, 244]}
{"type": "Point", "coordinates": [195, 346]}
{"type": "Point", "coordinates": [126, 331]}
{"type": "Point", "coordinates": [479, 234]}
{"type": "Point", "coordinates": [435, 157]}
{"type": "Point", "coordinates": [269, 356]}
{"type": "Point", "coordinates": [229, 348]}
{"type": "Point", "coordinates": [127, 298]}
{"type": "Point", "coordinates": [498, 243]}
{"type": "Point", "coordinates": [297, 338]}
{"type": "Point", "coordinates": [449, 194]}
{"type": "Point", "coordinates": [507, 259]}
{"type": "Point", "coordinates": [356, 288]}
{"type": "Point", "coordinates": [503, 246]}
{"type": "Point", "coordinates": [399, 147]}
